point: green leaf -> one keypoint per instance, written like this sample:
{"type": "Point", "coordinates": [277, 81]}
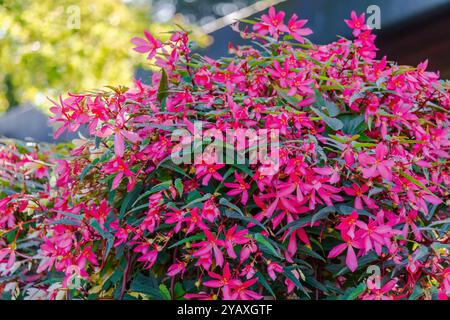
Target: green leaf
{"type": "Point", "coordinates": [247, 21]}
{"type": "Point", "coordinates": [164, 292]}
{"type": "Point", "coordinates": [288, 273]}
{"type": "Point", "coordinates": [264, 282]}
{"type": "Point", "coordinates": [86, 171]}
{"type": "Point", "coordinates": [353, 124]}
{"type": "Point", "coordinates": [134, 209]}
{"type": "Point", "coordinates": [333, 123]}
{"type": "Point", "coordinates": [417, 293]}
{"type": "Point", "coordinates": [105, 234]}
{"type": "Point", "coordinates": [436, 223]}
{"type": "Point", "coordinates": [332, 109]}
{"type": "Point", "coordinates": [316, 284]}
{"type": "Point", "coordinates": [179, 186]}
{"type": "Point", "coordinates": [244, 169]}
{"type": "Point", "coordinates": [71, 215]}
{"type": "Point", "coordinates": [235, 215]}
{"type": "Point", "coordinates": [346, 209]}
{"type": "Point", "coordinates": [354, 293]}
{"type": "Point", "coordinates": [290, 99]}
{"type": "Point", "coordinates": [307, 251]}
{"type": "Point", "coordinates": [163, 87]}
{"type": "Point", "coordinates": [168, 164]}
{"type": "Point", "coordinates": [129, 198]}
{"type": "Point", "coordinates": [294, 225]}
{"type": "Point", "coordinates": [416, 182]}
{"type": "Point", "coordinates": [66, 221]}
{"type": "Point", "coordinates": [145, 285]}
{"type": "Point", "coordinates": [197, 200]}
{"type": "Point", "coordinates": [159, 187]}
{"type": "Point", "coordinates": [322, 214]}
{"type": "Point", "coordinates": [179, 291]}
{"type": "Point", "coordinates": [363, 144]}
{"type": "Point", "coordinates": [191, 238]}
{"type": "Point", "coordinates": [264, 242]}
{"type": "Point", "coordinates": [227, 203]}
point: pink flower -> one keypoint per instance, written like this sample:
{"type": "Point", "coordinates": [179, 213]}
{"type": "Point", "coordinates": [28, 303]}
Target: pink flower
{"type": "Point", "coordinates": [120, 134]}
{"type": "Point", "coordinates": [86, 255]}
{"type": "Point", "coordinates": [410, 222]}
{"type": "Point", "coordinates": [208, 171]}
{"type": "Point", "coordinates": [291, 284]}
{"type": "Point", "coordinates": [358, 24]}
{"type": "Point", "coordinates": [350, 260]}
{"type": "Point", "coordinates": [200, 296]}
{"type": "Point", "coordinates": [248, 271]}
{"type": "Point", "coordinates": [194, 221]}
{"type": "Point", "coordinates": [279, 73]}
{"type": "Point", "coordinates": [175, 216]}
{"type": "Point", "coordinates": [296, 30]}
{"type": "Point", "coordinates": [233, 237]}
{"type": "Point", "coordinates": [272, 24]}
{"type": "Point", "coordinates": [241, 292]}
{"type": "Point", "coordinates": [380, 293]}
{"type": "Point", "coordinates": [149, 254]}
{"type": "Point", "coordinates": [373, 236]}
{"type": "Point", "coordinates": [209, 210]}
{"type": "Point", "coordinates": [222, 281]}
{"type": "Point", "coordinates": [347, 224]}
{"type": "Point", "coordinates": [204, 78]}
{"type": "Point", "coordinates": [378, 165]}
{"type": "Point", "coordinates": [358, 193]}
{"type": "Point", "coordinates": [241, 188]}
{"type": "Point", "coordinates": [232, 77]}
{"type": "Point", "coordinates": [446, 282]}
{"type": "Point", "coordinates": [328, 171]}
{"type": "Point", "coordinates": [150, 45]}
{"type": "Point", "coordinates": [70, 112]}
{"type": "Point", "coordinates": [299, 85]}
{"type": "Point", "coordinates": [208, 247]}
{"type": "Point", "coordinates": [70, 213]}
{"type": "Point", "coordinates": [120, 167]}
{"type": "Point", "coordinates": [396, 83]}
{"type": "Point", "coordinates": [176, 268]}
{"type": "Point", "coordinates": [274, 268]}
{"type": "Point", "coordinates": [12, 257]}
{"type": "Point", "coordinates": [247, 250]}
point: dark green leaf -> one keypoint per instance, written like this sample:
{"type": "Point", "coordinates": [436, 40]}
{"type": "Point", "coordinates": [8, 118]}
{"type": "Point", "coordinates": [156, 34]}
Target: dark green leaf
{"type": "Point", "coordinates": [333, 123]}
{"type": "Point", "coordinates": [288, 273]}
{"type": "Point", "coordinates": [322, 214]}
{"type": "Point", "coordinates": [264, 282]}
{"type": "Point", "coordinates": [191, 238]}
{"type": "Point", "coordinates": [163, 87]}
{"type": "Point", "coordinates": [262, 241]}
{"type": "Point", "coordinates": [129, 199]}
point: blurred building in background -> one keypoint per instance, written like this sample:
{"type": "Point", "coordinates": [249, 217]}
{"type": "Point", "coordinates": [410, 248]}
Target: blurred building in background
{"type": "Point", "coordinates": [411, 31]}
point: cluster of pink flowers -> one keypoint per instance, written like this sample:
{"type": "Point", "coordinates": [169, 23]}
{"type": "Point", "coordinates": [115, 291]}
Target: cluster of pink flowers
{"type": "Point", "coordinates": [363, 179]}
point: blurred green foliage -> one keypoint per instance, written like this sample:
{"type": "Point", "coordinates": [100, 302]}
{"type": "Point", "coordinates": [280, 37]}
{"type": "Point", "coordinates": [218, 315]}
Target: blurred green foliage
{"type": "Point", "coordinates": [49, 46]}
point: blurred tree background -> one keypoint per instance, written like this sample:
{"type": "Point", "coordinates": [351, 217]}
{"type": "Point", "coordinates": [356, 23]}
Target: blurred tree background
{"type": "Point", "coordinates": [49, 47]}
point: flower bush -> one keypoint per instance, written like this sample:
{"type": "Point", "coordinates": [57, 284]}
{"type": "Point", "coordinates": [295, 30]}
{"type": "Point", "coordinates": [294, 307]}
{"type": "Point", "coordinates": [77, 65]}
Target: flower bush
{"type": "Point", "coordinates": [356, 206]}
